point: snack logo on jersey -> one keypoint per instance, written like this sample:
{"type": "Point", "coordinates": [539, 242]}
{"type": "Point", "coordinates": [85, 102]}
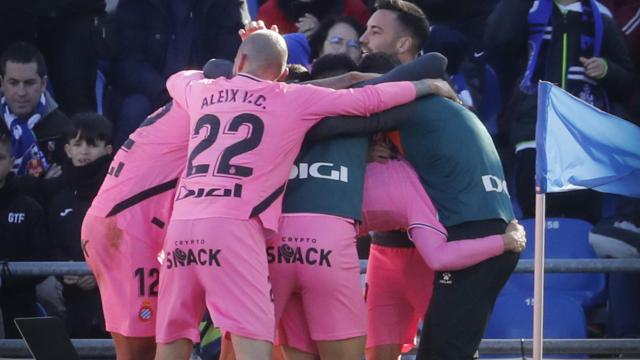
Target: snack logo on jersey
{"type": "Point", "coordinates": [192, 257]}
{"type": "Point", "coordinates": [319, 170]}
{"type": "Point", "coordinates": [288, 254]}
{"type": "Point", "coordinates": [213, 192]}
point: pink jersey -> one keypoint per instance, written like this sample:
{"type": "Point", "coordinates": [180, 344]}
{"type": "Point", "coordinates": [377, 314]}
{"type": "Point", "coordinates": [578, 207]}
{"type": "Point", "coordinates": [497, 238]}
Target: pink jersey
{"type": "Point", "coordinates": [137, 187]}
{"type": "Point", "coordinates": [245, 134]}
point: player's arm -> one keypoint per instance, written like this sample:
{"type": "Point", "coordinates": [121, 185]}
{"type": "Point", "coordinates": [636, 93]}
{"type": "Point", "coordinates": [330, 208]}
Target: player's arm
{"type": "Point", "coordinates": [343, 81]}
{"type": "Point", "coordinates": [431, 65]}
{"type": "Point", "coordinates": [442, 255]}
{"type": "Point", "coordinates": [387, 120]}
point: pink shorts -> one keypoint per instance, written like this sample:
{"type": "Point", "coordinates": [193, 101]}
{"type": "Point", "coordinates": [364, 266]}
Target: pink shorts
{"type": "Point", "coordinates": [315, 274]}
{"type": "Point", "coordinates": [127, 272]}
{"type": "Point", "coordinates": [220, 264]}
{"type": "Point", "coordinates": [395, 199]}
{"type": "Point", "coordinates": [398, 292]}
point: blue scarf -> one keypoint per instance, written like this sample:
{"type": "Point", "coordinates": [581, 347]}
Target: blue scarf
{"type": "Point", "coordinates": [540, 31]}
{"type": "Point", "coordinates": [29, 159]}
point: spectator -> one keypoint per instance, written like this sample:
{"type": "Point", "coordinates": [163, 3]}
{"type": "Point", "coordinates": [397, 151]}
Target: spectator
{"type": "Point", "coordinates": [305, 15]}
{"type": "Point", "coordinates": [157, 39]}
{"type": "Point", "coordinates": [584, 53]}
{"type": "Point", "coordinates": [457, 34]}
{"type": "Point", "coordinates": [22, 238]}
{"type": "Point", "coordinates": [627, 15]}
{"type": "Point", "coordinates": [337, 36]}
{"type": "Point", "coordinates": [88, 148]}
{"type": "Point", "coordinates": [65, 31]}
{"type": "Point", "coordinates": [35, 122]}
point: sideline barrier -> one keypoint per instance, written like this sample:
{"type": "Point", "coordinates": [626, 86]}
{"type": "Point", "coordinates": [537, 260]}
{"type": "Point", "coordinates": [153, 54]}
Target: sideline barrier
{"type": "Point", "coordinates": [103, 348]}
{"type": "Point", "coordinates": [59, 268]}
{"type": "Point", "coordinates": [569, 265]}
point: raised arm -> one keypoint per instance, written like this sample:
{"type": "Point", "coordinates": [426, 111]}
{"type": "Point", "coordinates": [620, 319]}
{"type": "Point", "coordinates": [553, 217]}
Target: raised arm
{"type": "Point", "coordinates": [431, 65]}
{"type": "Point", "coordinates": [359, 125]}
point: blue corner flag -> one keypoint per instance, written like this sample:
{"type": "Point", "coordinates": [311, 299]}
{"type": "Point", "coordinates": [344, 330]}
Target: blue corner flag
{"type": "Point", "coordinates": [579, 146]}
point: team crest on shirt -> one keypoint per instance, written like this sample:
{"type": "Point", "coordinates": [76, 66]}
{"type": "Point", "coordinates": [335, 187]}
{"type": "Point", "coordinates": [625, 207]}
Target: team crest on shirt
{"type": "Point", "coordinates": [146, 311]}
{"type": "Point", "coordinates": [446, 278]}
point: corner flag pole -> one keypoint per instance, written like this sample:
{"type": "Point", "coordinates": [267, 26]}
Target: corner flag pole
{"type": "Point", "coordinates": [538, 275]}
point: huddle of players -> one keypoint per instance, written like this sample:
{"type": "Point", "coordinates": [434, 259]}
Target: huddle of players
{"type": "Point", "coordinates": [226, 147]}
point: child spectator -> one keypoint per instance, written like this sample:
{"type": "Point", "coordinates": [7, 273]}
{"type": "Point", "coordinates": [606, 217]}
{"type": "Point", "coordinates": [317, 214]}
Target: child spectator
{"type": "Point", "coordinates": [88, 148]}
{"type": "Point", "coordinates": [22, 238]}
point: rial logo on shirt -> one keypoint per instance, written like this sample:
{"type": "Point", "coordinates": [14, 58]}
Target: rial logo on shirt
{"type": "Point", "coordinates": [291, 255]}
{"type": "Point", "coordinates": [193, 257]}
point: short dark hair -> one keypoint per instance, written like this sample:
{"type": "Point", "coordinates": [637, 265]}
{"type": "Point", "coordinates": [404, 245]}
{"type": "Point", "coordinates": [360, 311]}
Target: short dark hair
{"type": "Point", "coordinates": [90, 127]}
{"type": "Point", "coordinates": [410, 16]}
{"type": "Point", "coordinates": [23, 53]}
{"type": "Point", "coordinates": [378, 62]}
{"type": "Point", "coordinates": [5, 140]}
{"type": "Point", "coordinates": [297, 73]}
{"type": "Point", "coordinates": [332, 64]}
{"type": "Point", "coordinates": [317, 39]}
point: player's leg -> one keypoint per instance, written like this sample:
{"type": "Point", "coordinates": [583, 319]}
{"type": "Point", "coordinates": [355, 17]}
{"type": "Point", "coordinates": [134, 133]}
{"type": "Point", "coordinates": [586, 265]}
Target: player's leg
{"type": "Point", "coordinates": [175, 350]}
{"type": "Point", "coordinates": [131, 348]}
{"type": "Point", "coordinates": [342, 349]}
{"type": "Point", "coordinates": [181, 301]}
{"type": "Point", "coordinates": [249, 349]}
{"type": "Point", "coordinates": [398, 291]}
{"type": "Point", "coordinates": [384, 352]}
{"type": "Point", "coordinates": [455, 321]}
{"type": "Point", "coordinates": [232, 266]}
{"type": "Point", "coordinates": [226, 351]}
{"type": "Point", "coordinates": [293, 332]}
{"type": "Point", "coordinates": [126, 270]}
{"type": "Point", "coordinates": [327, 264]}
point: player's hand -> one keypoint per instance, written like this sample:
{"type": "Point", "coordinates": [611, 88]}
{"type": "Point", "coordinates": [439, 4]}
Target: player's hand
{"type": "Point", "coordinates": [87, 282]}
{"type": "Point", "coordinates": [436, 87]}
{"type": "Point", "coordinates": [70, 279]}
{"type": "Point", "coordinates": [442, 88]}
{"type": "Point", "coordinates": [380, 152]}
{"type": "Point", "coordinates": [254, 26]}
{"type": "Point", "coordinates": [515, 238]}
{"type": "Point", "coordinates": [308, 24]}
{"type": "Point", "coordinates": [54, 171]}
{"type": "Point", "coordinates": [595, 67]}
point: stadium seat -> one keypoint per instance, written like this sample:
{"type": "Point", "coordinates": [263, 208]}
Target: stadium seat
{"type": "Point", "coordinates": [565, 239]}
{"type": "Point", "coordinates": [512, 318]}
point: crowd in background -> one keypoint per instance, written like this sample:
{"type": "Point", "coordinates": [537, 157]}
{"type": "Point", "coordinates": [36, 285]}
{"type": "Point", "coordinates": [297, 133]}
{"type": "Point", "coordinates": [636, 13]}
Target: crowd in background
{"type": "Point", "coordinates": [69, 65]}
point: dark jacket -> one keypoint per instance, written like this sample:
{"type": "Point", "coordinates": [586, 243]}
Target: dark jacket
{"type": "Point", "coordinates": [70, 198]}
{"type": "Point", "coordinates": [52, 8]}
{"type": "Point", "coordinates": [50, 131]}
{"type": "Point", "coordinates": [146, 31]}
{"type": "Point", "coordinates": [68, 203]}
{"type": "Point", "coordinates": [22, 238]}
{"type": "Point", "coordinates": [507, 35]}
